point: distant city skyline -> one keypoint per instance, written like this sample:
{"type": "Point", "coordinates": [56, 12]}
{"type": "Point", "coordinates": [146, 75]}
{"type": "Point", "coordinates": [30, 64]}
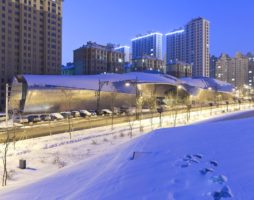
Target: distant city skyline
{"type": "Point", "coordinates": [118, 22]}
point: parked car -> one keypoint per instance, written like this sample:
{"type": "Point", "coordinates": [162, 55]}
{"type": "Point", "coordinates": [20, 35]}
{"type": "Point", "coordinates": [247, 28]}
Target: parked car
{"type": "Point", "coordinates": [85, 113]}
{"type": "Point", "coordinates": [124, 110]}
{"type": "Point", "coordinates": [66, 115]}
{"type": "Point", "coordinates": [45, 117]}
{"type": "Point", "coordinates": [145, 110]}
{"type": "Point", "coordinates": [93, 112]}
{"type": "Point", "coordinates": [56, 116]}
{"type": "Point", "coordinates": [75, 113]}
{"type": "Point", "coordinates": [21, 119]}
{"type": "Point", "coordinates": [34, 118]}
{"type": "Point", "coordinates": [128, 110]}
{"type": "Point", "coordinates": [106, 112]}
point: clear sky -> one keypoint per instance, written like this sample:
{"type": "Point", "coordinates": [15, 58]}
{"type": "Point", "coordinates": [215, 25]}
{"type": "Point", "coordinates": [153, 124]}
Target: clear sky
{"type": "Point", "coordinates": [118, 21]}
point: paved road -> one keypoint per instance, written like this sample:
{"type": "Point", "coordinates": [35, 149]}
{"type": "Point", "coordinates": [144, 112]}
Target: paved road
{"type": "Point", "coordinates": [56, 127]}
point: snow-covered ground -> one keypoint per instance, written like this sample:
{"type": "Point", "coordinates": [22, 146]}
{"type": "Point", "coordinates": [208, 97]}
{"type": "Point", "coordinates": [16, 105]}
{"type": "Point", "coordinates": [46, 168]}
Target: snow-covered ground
{"type": "Point", "coordinates": [189, 162]}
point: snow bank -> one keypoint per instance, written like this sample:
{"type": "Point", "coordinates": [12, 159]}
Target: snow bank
{"type": "Point", "coordinates": [205, 161]}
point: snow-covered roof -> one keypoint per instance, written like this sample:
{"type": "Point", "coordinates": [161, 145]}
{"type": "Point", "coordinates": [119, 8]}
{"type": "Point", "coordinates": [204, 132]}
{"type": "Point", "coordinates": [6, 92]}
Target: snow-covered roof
{"type": "Point", "coordinates": [91, 82]}
{"type": "Point", "coordinates": [205, 83]}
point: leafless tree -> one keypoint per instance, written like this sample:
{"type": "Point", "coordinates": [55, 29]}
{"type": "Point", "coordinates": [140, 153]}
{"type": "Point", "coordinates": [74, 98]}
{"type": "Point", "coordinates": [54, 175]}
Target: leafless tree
{"type": "Point", "coordinates": [131, 122]}
{"type": "Point", "coordinates": [175, 107]}
{"type": "Point", "coordinates": [188, 108]}
{"type": "Point", "coordinates": [113, 98]}
{"type": "Point", "coordinates": [6, 144]}
{"type": "Point", "coordinates": [49, 116]}
{"type": "Point", "coordinates": [68, 100]}
{"type": "Point", "coordinates": [98, 93]}
{"type": "Point", "coordinates": [140, 103]}
{"type": "Point", "coordinates": [152, 105]}
{"type": "Point", "coordinates": [14, 128]}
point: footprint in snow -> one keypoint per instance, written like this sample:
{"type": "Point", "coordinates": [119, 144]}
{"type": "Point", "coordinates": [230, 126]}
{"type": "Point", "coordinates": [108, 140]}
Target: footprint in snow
{"type": "Point", "coordinates": [199, 156]}
{"type": "Point", "coordinates": [214, 163]}
{"type": "Point", "coordinates": [206, 171]}
{"type": "Point", "coordinates": [185, 165]}
{"type": "Point", "coordinates": [221, 179]}
{"type": "Point", "coordinates": [225, 192]}
{"type": "Point", "coordinates": [190, 159]}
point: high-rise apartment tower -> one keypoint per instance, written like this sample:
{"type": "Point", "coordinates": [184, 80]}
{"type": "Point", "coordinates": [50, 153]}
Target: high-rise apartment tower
{"type": "Point", "coordinates": [30, 39]}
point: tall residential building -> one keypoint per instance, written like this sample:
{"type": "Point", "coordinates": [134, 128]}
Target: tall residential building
{"type": "Point", "coordinates": [213, 61]}
{"type": "Point", "coordinates": [233, 70]}
{"type": "Point", "coordinates": [191, 45]}
{"type": "Point", "coordinates": [93, 58]}
{"type": "Point", "coordinates": [126, 51]}
{"type": "Point", "coordinates": [30, 39]}
{"type": "Point", "coordinates": [251, 69]}
{"type": "Point", "coordinates": [221, 68]}
{"type": "Point", "coordinates": [147, 45]}
{"type": "Point", "coordinates": [179, 69]}
{"type": "Point", "coordinates": [197, 33]}
{"type": "Point", "coordinates": [239, 70]}
{"type": "Point", "coordinates": [175, 46]}
{"type": "Point", "coordinates": [148, 63]}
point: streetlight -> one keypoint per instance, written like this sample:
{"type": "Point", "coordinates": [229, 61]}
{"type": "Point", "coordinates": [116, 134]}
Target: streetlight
{"type": "Point", "coordinates": [98, 93]}
{"type": "Point", "coordinates": [179, 87]}
{"type": "Point", "coordinates": [160, 110]}
{"type": "Point", "coordinates": [135, 83]}
{"type": "Point", "coordinates": [127, 84]}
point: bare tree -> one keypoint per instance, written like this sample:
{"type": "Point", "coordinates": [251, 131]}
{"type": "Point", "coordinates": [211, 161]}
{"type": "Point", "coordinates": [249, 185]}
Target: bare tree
{"type": "Point", "coordinates": [98, 93]}
{"type": "Point", "coordinates": [49, 118]}
{"type": "Point", "coordinates": [7, 139]}
{"type": "Point", "coordinates": [152, 105]}
{"type": "Point", "coordinates": [5, 151]}
{"type": "Point", "coordinates": [169, 97]}
{"type": "Point", "coordinates": [131, 122]}
{"type": "Point", "coordinates": [188, 108]}
{"type": "Point", "coordinates": [140, 103]}
{"type": "Point", "coordinates": [177, 102]}
{"type": "Point", "coordinates": [68, 99]}
{"type": "Point", "coordinates": [113, 98]}
{"type": "Point", "coordinates": [14, 128]}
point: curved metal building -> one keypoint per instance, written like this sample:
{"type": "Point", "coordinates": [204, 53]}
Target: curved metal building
{"type": "Point", "coordinates": [55, 93]}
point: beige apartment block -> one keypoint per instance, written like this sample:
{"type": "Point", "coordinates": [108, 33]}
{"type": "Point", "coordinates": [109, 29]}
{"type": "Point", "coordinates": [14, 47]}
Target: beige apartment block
{"type": "Point", "coordinates": [30, 39]}
{"type": "Point", "coordinates": [233, 70]}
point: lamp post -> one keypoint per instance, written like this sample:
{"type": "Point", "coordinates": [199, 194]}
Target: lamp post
{"type": "Point", "coordinates": [98, 93]}
{"type": "Point", "coordinates": [179, 87]}
{"type": "Point", "coordinates": [211, 104]}
{"type": "Point", "coordinates": [135, 83]}
{"type": "Point", "coordinates": [160, 110]}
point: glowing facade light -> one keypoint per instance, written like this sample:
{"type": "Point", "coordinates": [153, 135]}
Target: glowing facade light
{"type": "Point", "coordinates": [175, 32]}
{"type": "Point", "coordinates": [127, 84]}
{"type": "Point", "coordinates": [148, 35]}
{"type": "Point", "coordinates": [179, 87]}
{"type": "Point", "coordinates": [121, 47]}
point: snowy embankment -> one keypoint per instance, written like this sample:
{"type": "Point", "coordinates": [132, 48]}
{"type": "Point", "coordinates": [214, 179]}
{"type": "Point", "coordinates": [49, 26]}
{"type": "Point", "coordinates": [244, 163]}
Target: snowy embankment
{"type": "Point", "coordinates": [205, 161]}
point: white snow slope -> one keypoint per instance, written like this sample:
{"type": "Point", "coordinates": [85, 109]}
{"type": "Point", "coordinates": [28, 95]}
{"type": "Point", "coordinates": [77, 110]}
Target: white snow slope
{"type": "Point", "coordinates": [206, 161]}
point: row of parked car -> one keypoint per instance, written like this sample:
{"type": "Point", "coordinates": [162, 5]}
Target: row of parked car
{"type": "Point", "coordinates": [34, 118]}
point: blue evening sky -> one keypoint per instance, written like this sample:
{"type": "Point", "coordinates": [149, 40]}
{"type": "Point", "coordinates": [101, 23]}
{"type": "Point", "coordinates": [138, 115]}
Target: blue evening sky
{"type": "Point", "coordinates": [118, 21]}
